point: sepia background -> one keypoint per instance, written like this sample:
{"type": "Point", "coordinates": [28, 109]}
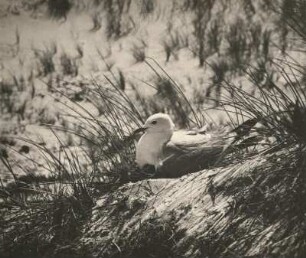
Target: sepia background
{"type": "Point", "coordinates": [77, 77]}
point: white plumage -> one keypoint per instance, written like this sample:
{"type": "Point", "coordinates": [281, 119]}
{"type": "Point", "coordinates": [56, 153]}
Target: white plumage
{"type": "Point", "coordinates": [176, 153]}
{"type": "Point", "coordinates": [158, 131]}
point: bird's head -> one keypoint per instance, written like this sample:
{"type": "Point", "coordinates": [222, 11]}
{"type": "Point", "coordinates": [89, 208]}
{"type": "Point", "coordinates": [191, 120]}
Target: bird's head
{"type": "Point", "coordinates": [157, 123]}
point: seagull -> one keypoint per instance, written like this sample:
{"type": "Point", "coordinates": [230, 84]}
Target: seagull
{"type": "Point", "coordinates": [158, 130]}
{"type": "Point", "coordinates": [175, 153]}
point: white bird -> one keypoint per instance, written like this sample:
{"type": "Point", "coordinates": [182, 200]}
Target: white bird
{"type": "Point", "coordinates": [158, 130]}
{"type": "Point", "coordinates": [175, 153]}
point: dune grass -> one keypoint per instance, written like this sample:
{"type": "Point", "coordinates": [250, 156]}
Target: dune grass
{"type": "Point", "coordinates": [103, 162]}
{"type": "Point", "coordinates": [111, 156]}
{"type": "Point", "coordinates": [50, 221]}
{"type": "Point", "coordinates": [109, 150]}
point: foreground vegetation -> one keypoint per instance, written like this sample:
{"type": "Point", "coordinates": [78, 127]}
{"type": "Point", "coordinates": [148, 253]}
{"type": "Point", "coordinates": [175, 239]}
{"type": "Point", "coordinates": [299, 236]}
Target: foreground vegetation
{"type": "Point", "coordinates": [248, 201]}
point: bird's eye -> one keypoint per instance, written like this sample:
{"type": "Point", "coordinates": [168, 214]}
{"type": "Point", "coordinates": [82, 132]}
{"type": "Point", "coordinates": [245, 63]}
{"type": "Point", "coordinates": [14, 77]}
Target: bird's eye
{"type": "Point", "coordinates": [154, 122]}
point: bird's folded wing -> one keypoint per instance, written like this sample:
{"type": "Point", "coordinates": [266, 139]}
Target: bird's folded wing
{"type": "Point", "coordinates": [186, 153]}
{"type": "Point", "coordinates": [183, 142]}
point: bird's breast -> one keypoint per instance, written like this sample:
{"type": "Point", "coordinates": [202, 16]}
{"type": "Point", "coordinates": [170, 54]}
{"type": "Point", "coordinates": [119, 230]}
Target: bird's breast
{"type": "Point", "coordinates": [149, 148]}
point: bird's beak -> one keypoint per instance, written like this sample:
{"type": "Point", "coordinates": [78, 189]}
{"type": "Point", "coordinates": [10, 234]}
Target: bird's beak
{"type": "Point", "coordinates": [139, 130]}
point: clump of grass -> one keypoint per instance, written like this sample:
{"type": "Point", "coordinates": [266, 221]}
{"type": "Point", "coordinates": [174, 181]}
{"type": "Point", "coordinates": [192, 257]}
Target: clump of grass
{"type": "Point", "coordinates": [69, 65]}
{"type": "Point", "coordinates": [171, 45]}
{"type": "Point", "coordinates": [263, 74]}
{"type": "Point", "coordinates": [174, 41]}
{"type": "Point", "coordinates": [237, 45]}
{"type": "Point", "coordinates": [279, 110]}
{"type": "Point", "coordinates": [16, 95]}
{"type": "Point", "coordinates": [17, 43]}
{"type": "Point", "coordinates": [255, 32]}
{"type": "Point", "coordinates": [292, 13]}
{"type": "Point", "coordinates": [11, 50]}
{"type": "Point", "coordinates": [106, 137]}
{"type": "Point", "coordinates": [262, 201]}
{"type": "Point", "coordinates": [45, 216]}
{"type": "Point", "coordinates": [108, 149]}
{"type": "Point", "coordinates": [114, 17]}
{"type": "Point", "coordinates": [214, 37]}
{"type": "Point", "coordinates": [96, 21]}
{"type": "Point", "coordinates": [139, 51]}
{"type": "Point", "coordinates": [270, 124]}
{"type": "Point", "coordinates": [266, 39]}
{"type": "Point", "coordinates": [249, 8]}
{"type": "Point", "coordinates": [202, 11]}
{"type": "Point", "coordinates": [49, 228]}
{"type": "Point", "coordinates": [80, 51]}
{"type": "Point", "coordinates": [290, 22]}
{"type": "Point", "coordinates": [121, 80]}
{"type": "Point", "coordinates": [6, 92]}
{"type": "Point", "coordinates": [161, 244]}
{"type": "Point", "coordinates": [147, 7]}
{"type": "Point", "coordinates": [45, 59]}
{"type": "Point", "coordinates": [220, 69]}
{"type": "Point", "coordinates": [274, 191]}
{"type": "Point", "coordinates": [170, 98]}
{"type": "Point", "coordinates": [59, 8]}
{"type": "Point", "coordinates": [166, 91]}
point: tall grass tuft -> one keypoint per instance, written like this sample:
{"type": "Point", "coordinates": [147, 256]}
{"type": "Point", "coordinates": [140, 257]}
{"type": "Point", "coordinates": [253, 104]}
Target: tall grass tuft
{"type": "Point", "coordinates": [44, 216]}
{"type": "Point", "coordinates": [279, 110]}
{"type": "Point", "coordinates": [116, 26]}
{"type": "Point", "coordinates": [139, 51]}
{"type": "Point", "coordinates": [49, 221]}
{"type": "Point", "coordinates": [270, 124]}
{"type": "Point", "coordinates": [6, 93]}
{"type": "Point", "coordinates": [220, 69]}
{"type": "Point", "coordinates": [59, 8]}
{"type": "Point", "coordinates": [255, 32]}
{"type": "Point", "coordinates": [96, 22]}
{"type": "Point", "coordinates": [202, 11]}
{"type": "Point", "coordinates": [170, 98]}
{"type": "Point", "coordinates": [237, 45]}
{"type": "Point", "coordinates": [214, 37]}
{"type": "Point", "coordinates": [147, 7]}
{"type": "Point", "coordinates": [69, 65]}
{"type": "Point", "coordinates": [45, 59]}
{"type": "Point", "coordinates": [171, 45]}
{"type": "Point", "coordinates": [292, 13]}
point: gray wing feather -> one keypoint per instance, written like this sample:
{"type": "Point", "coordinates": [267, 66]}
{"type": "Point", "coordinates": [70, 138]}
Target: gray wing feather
{"type": "Point", "coordinates": [186, 153]}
